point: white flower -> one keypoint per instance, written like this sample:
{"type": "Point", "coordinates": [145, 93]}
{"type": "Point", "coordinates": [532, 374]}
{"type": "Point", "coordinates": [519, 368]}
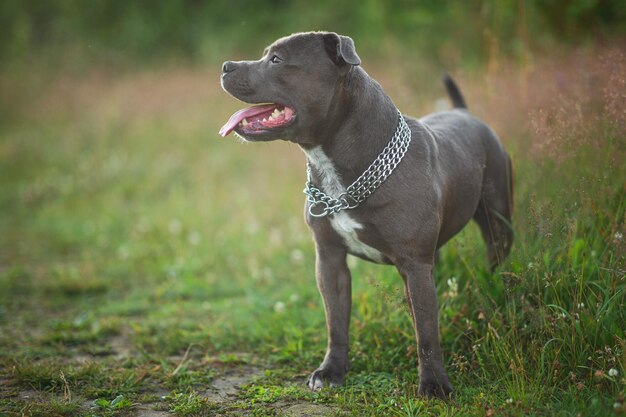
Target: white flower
{"type": "Point", "coordinates": [509, 400]}
{"type": "Point", "coordinates": [279, 307]}
{"type": "Point", "coordinates": [613, 372]}
{"type": "Point", "coordinates": [194, 238]}
{"type": "Point", "coordinates": [454, 287]}
{"type": "Point", "coordinates": [175, 226]}
{"type": "Point", "coordinates": [275, 237]}
{"type": "Point", "coordinates": [252, 227]}
{"type": "Point", "coordinates": [618, 236]}
{"type": "Point", "coordinates": [297, 256]}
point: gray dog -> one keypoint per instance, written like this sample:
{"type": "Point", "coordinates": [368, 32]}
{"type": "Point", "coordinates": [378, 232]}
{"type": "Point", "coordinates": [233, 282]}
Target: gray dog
{"type": "Point", "coordinates": [385, 187]}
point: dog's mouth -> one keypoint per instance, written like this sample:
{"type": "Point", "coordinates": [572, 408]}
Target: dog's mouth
{"type": "Point", "coordinates": [259, 119]}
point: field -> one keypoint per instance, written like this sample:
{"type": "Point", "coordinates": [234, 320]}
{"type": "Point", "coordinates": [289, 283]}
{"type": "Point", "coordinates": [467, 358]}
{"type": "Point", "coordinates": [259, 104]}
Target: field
{"type": "Point", "coordinates": [150, 268]}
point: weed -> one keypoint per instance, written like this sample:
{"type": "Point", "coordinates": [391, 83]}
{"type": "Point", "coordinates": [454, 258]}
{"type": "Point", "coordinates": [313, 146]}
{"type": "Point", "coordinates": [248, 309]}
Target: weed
{"type": "Point", "coordinates": [118, 403]}
{"type": "Point", "coordinates": [188, 404]}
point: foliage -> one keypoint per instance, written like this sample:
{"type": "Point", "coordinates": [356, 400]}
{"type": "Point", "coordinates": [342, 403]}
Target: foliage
{"type": "Point", "coordinates": [118, 403]}
{"type": "Point", "coordinates": [187, 404]}
{"type": "Point", "coordinates": [117, 29]}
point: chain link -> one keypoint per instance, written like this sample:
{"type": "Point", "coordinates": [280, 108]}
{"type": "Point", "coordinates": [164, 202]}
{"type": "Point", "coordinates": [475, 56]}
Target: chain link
{"type": "Point", "coordinates": [367, 183]}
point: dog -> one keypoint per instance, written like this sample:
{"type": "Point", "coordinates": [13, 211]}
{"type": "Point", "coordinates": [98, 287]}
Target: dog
{"type": "Point", "coordinates": [382, 186]}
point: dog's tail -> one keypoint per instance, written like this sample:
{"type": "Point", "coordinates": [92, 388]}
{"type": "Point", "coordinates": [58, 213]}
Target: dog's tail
{"type": "Point", "coordinates": [454, 93]}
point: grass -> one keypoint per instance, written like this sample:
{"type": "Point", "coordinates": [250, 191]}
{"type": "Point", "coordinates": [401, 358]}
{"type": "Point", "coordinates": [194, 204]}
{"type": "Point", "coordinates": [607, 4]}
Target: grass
{"type": "Point", "coordinates": [144, 260]}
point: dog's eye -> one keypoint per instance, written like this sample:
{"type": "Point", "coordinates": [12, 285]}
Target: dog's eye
{"type": "Point", "coordinates": [275, 59]}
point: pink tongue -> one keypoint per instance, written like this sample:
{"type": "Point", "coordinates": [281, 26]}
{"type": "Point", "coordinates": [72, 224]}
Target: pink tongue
{"type": "Point", "coordinates": [236, 118]}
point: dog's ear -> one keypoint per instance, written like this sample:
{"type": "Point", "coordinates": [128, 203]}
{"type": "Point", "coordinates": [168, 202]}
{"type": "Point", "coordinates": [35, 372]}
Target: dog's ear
{"type": "Point", "coordinates": [341, 49]}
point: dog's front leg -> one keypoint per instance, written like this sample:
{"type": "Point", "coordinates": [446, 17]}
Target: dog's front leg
{"type": "Point", "coordinates": [334, 284]}
{"type": "Point", "coordinates": [422, 298]}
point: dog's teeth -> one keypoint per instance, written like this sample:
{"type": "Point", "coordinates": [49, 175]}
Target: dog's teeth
{"type": "Point", "coordinates": [271, 117]}
{"type": "Point", "coordinates": [264, 119]}
{"type": "Point", "coordinates": [276, 113]}
{"type": "Point", "coordinates": [244, 122]}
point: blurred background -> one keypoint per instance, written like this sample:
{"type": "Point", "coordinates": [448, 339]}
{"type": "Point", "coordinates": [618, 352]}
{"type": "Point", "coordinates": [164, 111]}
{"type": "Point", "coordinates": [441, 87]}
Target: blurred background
{"type": "Point", "coordinates": [445, 33]}
{"type": "Point", "coordinates": [131, 233]}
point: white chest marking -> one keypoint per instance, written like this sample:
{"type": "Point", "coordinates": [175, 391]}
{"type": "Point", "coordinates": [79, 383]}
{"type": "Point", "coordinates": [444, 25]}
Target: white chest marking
{"type": "Point", "coordinates": [343, 224]}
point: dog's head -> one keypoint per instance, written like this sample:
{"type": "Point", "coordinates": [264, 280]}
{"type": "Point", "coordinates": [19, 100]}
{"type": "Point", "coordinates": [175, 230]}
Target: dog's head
{"type": "Point", "coordinates": [293, 86]}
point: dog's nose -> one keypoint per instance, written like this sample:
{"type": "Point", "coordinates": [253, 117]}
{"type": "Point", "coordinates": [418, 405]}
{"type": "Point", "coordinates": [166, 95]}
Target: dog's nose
{"type": "Point", "coordinates": [228, 66]}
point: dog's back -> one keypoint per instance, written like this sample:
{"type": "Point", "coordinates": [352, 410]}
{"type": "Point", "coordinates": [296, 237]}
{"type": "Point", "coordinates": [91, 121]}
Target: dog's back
{"type": "Point", "coordinates": [466, 147]}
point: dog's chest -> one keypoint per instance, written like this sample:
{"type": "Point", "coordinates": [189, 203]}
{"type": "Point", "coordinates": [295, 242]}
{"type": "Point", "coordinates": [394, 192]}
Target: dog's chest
{"type": "Point", "coordinates": [345, 225]}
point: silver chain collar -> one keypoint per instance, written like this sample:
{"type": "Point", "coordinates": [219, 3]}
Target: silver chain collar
{"type": "Point", "coordinates": [321, 204]}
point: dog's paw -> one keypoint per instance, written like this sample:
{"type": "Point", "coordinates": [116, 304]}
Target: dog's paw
{"type": "Point", "coordinates": [436, 387]}
{"type": "Point", "coordinates": [321, 378]}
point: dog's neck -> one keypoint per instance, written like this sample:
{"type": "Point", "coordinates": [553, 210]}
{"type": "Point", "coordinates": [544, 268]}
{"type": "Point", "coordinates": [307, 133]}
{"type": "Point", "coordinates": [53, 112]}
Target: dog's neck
{"type": "Point", "coordinates": [360, 105]}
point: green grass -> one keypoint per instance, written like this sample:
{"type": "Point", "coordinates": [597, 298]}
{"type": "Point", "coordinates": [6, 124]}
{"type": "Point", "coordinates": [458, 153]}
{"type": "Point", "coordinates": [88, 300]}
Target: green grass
{"type": "Point", "coordinates": [143, 259]}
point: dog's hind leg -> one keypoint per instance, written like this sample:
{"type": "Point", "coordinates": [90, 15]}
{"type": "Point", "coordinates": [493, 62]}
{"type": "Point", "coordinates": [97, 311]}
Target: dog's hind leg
{"type": "Point", "coordinates": [422, 299]}
{"type": "Point", "coordinates": [493, 215]}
